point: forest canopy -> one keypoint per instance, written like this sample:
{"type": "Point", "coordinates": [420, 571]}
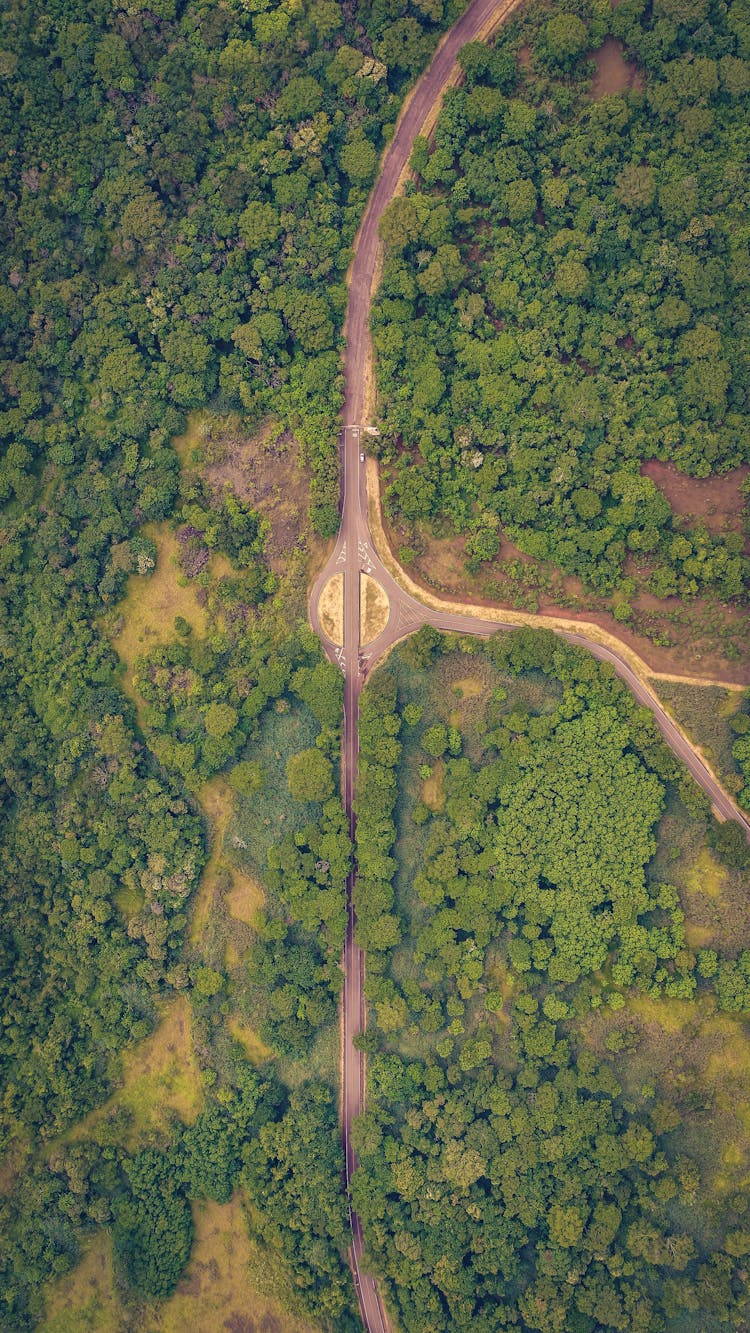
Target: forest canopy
{"type": "Point", "coordinates": [523, 1162]}
{"type": "Point", "coordinates": [565, 295]}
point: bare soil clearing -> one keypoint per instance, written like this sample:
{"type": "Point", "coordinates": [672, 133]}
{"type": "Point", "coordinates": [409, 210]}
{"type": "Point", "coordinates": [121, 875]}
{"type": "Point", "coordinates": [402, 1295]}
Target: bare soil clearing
{"type": "Point", "coordinates": [614, 74]}
{"type": "Point", "coordinates": [266, 470]}
{"type": "Point", "coordinates": [716, 501]}
{"type": "Point", "coordinates": [374, 609]}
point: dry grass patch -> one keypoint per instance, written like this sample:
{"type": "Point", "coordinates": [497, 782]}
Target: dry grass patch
{"type": "Point", "coordinates": [85, 1299]}
{"type": "Point", "coordinates": [706, 875]}
{"type": "Point", "coordinates": [469, 687]}
{"type": "Point", "coordinates": [433, 788]}
{"type": "Point", "coordinates": [254, 1047]}
{"type": "Point", "coordinates": [242, 894]}
{"type": "Point", "coordinates": [245, 898]}
{"type": "Point", "coordinates": [150, 604]}
{"type": "Point", "coordinates": [671, 1015]}
{"type": "Point", "coordinates": [216, 800]}
{"type": "Point", "coordinates": [266, 470]}
{"type": "Point", "coordinates": [698, 937]}
{"type": "Point", "coordinates": [374, 609]}
{"type": "Point", "coordinates": [699, 1060]}
{"type": "Point", "coordinates": [227, 1285]}
{"type": "Point", "coordinates": [161, 1077]}
{"type": "Point", "coordinates": [219, 1289]}
{"type": "Point", "coordinates": [331, 609]}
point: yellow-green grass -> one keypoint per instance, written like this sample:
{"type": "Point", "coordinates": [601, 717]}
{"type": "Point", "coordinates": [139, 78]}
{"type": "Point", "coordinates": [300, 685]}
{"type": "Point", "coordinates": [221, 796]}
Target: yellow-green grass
{"type": "Point", "coordinates": [706, 875]}
{"type": "Point", "coordinates": [161, 1078]}
{"type": "Point", "coordinates": [374, 608]}
{"type": "Point", "coordinates": [331, 608]}
{"type": "Point", "coordinates": [254, 1047]}
{"type": "Point", "coordinates": [227, 1284]}
{"type": "Point", "coordinates": [469, 687]}
{"type": "Point", "coordinates": [433, 787]}
{"type": "Point", "coordinates": [151, 603]}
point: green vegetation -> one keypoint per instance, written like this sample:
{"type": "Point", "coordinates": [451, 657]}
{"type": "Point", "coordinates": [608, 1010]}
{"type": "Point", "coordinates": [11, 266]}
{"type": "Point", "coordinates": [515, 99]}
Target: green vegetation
{"type": "Point", "coordinates": [181, 187]}
{"type": "Point", "coordinates": [718, 721]}
{"type": "Point", "coordinates": [524, 930]}
{"type": "Point", "coordinates": [254, 693]}
{"type": "Point", "coordinates": [564, 296]}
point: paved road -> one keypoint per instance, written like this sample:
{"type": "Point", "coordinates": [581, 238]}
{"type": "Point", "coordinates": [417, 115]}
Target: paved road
{"type": "Point", "coordinates": [354, 552]}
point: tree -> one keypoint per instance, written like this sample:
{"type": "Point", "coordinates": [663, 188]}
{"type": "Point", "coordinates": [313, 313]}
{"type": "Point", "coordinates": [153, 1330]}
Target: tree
{"type": "Point", "coordinates": [310, 776]}
{"type": "Point", "coordinates": [565, 37]}
{"type": "Point", "coordinates": [359, 159]}
{"type": "Point", "coordinates": [153, 1231]}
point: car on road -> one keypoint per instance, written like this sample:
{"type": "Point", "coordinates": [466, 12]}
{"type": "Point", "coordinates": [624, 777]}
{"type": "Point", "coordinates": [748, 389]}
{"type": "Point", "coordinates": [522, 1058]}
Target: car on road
{"type": "Point", "coordinates": [361, 458]}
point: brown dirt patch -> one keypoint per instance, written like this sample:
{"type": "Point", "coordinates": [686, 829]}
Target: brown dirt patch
{"type": "Point", "coordinates": [715, 501]}
{"type": "Point", "coordinates": [374, 609]}
{"type": "Point", "coordinates": [331, 609]}
{"type": "Point", "coordinates": [614, 74]}
{"type": "Point", "coordinates": [266, 470]}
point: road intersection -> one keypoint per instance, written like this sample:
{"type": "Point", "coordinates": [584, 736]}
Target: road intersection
{"type": "Point", "coordinates": [355, 554]}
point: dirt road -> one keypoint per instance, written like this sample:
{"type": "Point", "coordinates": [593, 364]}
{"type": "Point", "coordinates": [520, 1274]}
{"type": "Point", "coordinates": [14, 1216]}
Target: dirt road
{"type": "Point", "coordinates": [355, 553]}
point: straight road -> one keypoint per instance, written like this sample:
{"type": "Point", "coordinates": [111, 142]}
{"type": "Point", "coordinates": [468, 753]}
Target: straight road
{"type": "Point", "coordinates": [354, 552]}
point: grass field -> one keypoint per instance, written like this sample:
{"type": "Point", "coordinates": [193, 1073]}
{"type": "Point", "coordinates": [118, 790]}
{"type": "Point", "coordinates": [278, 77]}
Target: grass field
{"type": "Point", "coordinates": [151, 603]}
{"type": "Point", "coordinates": [228, 1285]}
{"type": "Point", "coordinates": [160, 1080]}
{"type": "Point", "coordinates": [705, 711]}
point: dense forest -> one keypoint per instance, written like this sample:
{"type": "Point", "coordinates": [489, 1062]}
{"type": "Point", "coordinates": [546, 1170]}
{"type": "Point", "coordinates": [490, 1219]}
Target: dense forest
{"type": "Point", "coordinates": [520, 824]}
{"type": "Point", "coordinates": [180, 185]}
{"type": "Point", "coordinates": [565, 294]}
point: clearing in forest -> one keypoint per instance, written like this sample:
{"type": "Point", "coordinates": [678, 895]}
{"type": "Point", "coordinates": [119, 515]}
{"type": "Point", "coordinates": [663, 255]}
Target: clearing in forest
{"type": "Point", "coordinates": [226, 1285]}
{"type": "Point", "coordinates": [160, 1078]}
{"type": "Point", "coordinates": [151, 603]}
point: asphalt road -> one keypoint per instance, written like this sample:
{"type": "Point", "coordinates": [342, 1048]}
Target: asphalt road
{"type": "Point", "coordinates": [354, 552]}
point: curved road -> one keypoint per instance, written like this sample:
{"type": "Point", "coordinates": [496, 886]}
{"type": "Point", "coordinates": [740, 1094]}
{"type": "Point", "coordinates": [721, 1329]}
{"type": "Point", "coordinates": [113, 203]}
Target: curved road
{"type": "Point", "coordinates": [354, 553]}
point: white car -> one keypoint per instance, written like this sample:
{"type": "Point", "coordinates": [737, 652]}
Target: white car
{"type": "Point", "coordinates": [361, 458]}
